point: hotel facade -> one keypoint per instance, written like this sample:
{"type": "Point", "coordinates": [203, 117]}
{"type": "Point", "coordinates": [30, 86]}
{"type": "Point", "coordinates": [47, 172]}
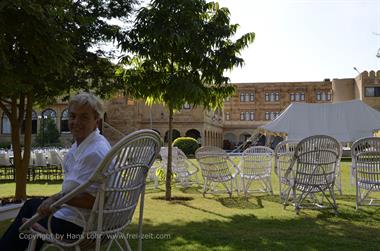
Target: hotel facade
{"type": "Point", "coordinates": [253, 105]}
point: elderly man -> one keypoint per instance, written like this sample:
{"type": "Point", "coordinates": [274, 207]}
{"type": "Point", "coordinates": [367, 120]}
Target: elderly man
{"type": "Point", "coordinates": [80, 162]}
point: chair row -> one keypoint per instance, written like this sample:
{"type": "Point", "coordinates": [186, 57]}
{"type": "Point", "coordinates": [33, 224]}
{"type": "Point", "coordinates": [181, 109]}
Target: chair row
{"type": "Point", "coordinates": [42, 166]}
{"type": "Point", "coordinates": [309, 171]}
{"type": "Point", "coordinates": [365, 169]}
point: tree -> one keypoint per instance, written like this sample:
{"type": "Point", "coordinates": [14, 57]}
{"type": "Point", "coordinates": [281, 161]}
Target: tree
{"type": "Point", "coordinates": [177, 53]}
{"type": "Point", "coordinates": [45, 52]}
{"type": "Point", "coordinates": [48, 134]}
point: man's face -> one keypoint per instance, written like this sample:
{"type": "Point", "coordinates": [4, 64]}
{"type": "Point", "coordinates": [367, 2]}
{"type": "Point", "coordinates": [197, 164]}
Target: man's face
{"type": "Point", "coordinates": [82, 121]}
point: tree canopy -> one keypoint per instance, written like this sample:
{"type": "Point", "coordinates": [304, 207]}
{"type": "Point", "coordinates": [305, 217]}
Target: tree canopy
{"type": "Point", "coordinates": [45, 51]}
{"type": "Point", "coordinates": [177, 52]}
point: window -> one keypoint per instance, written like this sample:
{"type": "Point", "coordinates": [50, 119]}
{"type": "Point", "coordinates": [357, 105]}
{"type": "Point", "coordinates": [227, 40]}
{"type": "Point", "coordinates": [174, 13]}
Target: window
{"type": "Point", "coordinates": [49, 113]}
{"type": "Point", "coordinates": [5, 124]}
{"type": "Point", "coordinates": [251, 116]}
{"type": "Point", "coordinates": [319, 96]}
{"type": "Point", "coordinates": [247, 97]}
{"type": "Point", "coordinates": [34, 123]}
{"type": "Point", "coordinates": [271, 115]}
{"type": "Point", "coordinates": [242, 97]}
{"type": "Point", "coordinates": [186, 106]}
{"type": "Point", "coordinates": [323, 96]}
{"type": "Point", "coordinates": [372, 91]}
{"type": "Point", "coordinates": [227, 116]}
{"type": "Point", "coordinates": [277, 96]}
{"type": "Point", "coordinates": [298, 96]}
{"type": "Point", "coordinates": [272, 96]}
{"type": "Point", "coordinates": [328, 96]}
{"type": "Point", "coordinates": [252, 97]}
{"type": "Point", "coordinates": [247, 116]}
{"type": "Point", "coordinates": [65, 121]}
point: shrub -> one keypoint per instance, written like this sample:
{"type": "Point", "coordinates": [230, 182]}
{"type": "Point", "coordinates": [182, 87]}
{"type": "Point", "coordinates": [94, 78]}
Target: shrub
{"type": "Point", "coordinates": [48, 134]}
{"type": "Point", "coordinates": [187, 144]}
{"type": "Point", "coordinates": [5, 145]}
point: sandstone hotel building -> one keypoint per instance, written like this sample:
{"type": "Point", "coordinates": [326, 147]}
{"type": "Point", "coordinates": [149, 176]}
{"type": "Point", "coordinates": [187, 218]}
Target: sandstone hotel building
{"type": "Point", "coordinates": [252, 105]}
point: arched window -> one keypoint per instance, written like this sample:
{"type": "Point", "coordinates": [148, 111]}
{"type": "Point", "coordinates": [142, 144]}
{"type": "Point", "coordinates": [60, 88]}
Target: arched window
{"type": "Point", "coordinates": [65, 121]}
{"type": "Point", "coordinates": [34, 123]}
{"type": "Point", "coordinates": [5, 124]}
{"type": "Point", "coordinates": [175, 134]}
{"type": "Point", "coordinates": [49, 113]}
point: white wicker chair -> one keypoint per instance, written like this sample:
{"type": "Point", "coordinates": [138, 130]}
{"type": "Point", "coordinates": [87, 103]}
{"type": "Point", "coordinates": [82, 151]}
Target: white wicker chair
{"type": "Point", "coordinates": [366, 164]}
{"type": "Point", "coordinates": [217, 167]}
{"type": "Point", "coordinates": [121, 175]}
{"type": "Point", "coordinates": [284, 153]}
{"type": "Point", "coordinates": [256, 164]}
{"type": "Point", "coordinates": [183, 168]}
{"type": "Point", "coordinates": [338, 178]}
{"type": "Point", "coordinates": [312, 172]}
{"type": "Point", "coordinates": [40, 168]}
{"type": "Point", "coordinates": [55, 164]}
{"type": "Point", "coordinates": [7, 170]}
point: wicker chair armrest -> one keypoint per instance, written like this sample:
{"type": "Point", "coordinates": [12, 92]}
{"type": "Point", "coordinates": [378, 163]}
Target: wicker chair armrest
{"type": "Point", "coordinates": [193, 165]}
{"type": "Point", "coordinates": [52, 237]}
{"type": "Point", "coordinates": [30, 222]}
{"type": "Point", "coordinates": [237, 169]}
{"type": "Point", "coordinates": [290, 169]}
{"type": "Point", "coordinates": [54, 206]}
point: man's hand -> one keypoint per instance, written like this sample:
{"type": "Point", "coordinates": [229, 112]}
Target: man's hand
{"type": "Point", "coordinates": [44, 208]}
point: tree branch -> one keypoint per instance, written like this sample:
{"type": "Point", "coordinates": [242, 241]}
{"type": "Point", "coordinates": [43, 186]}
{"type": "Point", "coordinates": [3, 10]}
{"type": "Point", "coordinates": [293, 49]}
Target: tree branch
{"type": "Point", "coordinates": [21, 109]}
{"type": "Point", "coordinates": [5, 101]}
{"type": "Point", "coordinates": [5, 108]}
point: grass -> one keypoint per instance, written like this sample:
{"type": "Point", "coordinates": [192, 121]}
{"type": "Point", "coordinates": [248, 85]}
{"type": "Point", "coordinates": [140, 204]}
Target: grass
{"type": "Point", "coordinates": [220, 223]}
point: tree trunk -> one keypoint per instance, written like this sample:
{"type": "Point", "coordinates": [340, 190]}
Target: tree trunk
{"type": "Point", "coordinates": [21, 161]}
{"type": "Point", "coordinates": [168, 191]}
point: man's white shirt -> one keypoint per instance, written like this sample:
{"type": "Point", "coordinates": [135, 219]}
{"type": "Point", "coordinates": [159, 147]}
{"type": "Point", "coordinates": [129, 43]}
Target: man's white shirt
{"type": "Point", "coordinates": [79, 164]}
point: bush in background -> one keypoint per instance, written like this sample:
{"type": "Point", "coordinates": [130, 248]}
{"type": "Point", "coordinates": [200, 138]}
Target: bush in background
{"type": "Point", "coordinates": [187, 144]}
{"type": "Point", "coordinates": [48, 134]}
{"type": "Point", "coordinates": [6, 145]}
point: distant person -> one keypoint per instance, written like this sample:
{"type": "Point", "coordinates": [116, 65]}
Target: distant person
{"type": "Point", "coordinates": [85, 154]}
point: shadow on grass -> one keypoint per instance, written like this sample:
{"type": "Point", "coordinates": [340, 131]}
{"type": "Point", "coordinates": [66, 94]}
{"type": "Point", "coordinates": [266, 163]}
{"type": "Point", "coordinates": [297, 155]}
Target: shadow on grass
{"type": "Point", "coordinates": [351, 230]}
{"type": "Point", "coordinates": [191, 189]}
{"type": "Point", "coordinates": [246, 232]}
{"type": "Point", "coordinates": [241, 202]}
{"type": "Point", "coordinates": [174, 199]}
{"type": "Point", "coordinates": [43, 182]}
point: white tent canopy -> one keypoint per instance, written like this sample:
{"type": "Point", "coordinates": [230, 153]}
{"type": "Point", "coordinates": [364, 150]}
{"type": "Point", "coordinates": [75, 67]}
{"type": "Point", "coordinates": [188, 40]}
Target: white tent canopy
{"type": "Point", "coordinates": [345, 121]}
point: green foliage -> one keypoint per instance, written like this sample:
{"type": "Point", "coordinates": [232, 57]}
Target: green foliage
{"type": "Point", "coordinates": [46, 46]}
{"type": "Point", "coordinates": [5, 145]}
{"type": "Point", "coordinates": [47, 49]}
{"type": "Point", "coordinates": [177, 52]}
{"type": "Point", "coordinates": [187, 144]}
{"type": "Point", "coordinates": [48, 134]}
{"type": "Point", "coordinates": [180, 51]}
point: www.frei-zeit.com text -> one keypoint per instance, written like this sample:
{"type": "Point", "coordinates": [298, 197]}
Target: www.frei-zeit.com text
{"type": "Point", "coordinates": [69, 236]}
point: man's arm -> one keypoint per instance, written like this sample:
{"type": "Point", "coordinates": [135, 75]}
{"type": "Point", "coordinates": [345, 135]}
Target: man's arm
{"type": "Point", "coordinates": [83, 200]}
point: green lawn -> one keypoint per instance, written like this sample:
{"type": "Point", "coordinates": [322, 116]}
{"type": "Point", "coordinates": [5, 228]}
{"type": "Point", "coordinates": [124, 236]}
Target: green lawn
{"type": "Point", "coordinates": [219, 223]}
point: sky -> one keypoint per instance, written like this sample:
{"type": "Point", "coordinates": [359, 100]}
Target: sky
{"type": "Point", "coordinates": [306, 40]}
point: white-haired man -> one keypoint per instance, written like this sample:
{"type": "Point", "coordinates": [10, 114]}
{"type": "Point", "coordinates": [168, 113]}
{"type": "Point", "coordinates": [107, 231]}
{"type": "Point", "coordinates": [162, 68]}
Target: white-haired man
{"type": "Point", "coordinates": [85, 154]}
